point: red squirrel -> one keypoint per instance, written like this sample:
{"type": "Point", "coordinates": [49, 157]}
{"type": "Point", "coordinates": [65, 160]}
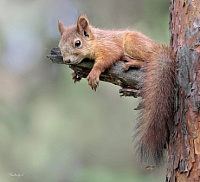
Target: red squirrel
{"type": "Point", "coordinates": [82, 40]}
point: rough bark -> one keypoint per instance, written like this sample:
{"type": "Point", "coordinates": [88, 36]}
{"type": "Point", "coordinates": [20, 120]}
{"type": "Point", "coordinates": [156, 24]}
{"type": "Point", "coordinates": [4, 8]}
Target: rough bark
{"type": "Point", "coordinates": [184, 146]}
{"type": "Point", "coordinates": [129, 80]}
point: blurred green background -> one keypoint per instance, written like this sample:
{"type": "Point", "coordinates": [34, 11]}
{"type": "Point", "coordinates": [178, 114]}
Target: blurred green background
{"type": "Point", "coordinates": [50, 128]}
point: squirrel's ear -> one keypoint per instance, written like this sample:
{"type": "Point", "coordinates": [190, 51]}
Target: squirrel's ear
{"type": "Point", "coordinates": [61, 27]}
{"type": "Point", "coordinates": [83, 26]}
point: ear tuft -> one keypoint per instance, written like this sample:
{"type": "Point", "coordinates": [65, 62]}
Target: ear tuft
{"type": "Point", "coordinates": [83, 26]}
{"type": "Point", "coordinates": [61, 27]}
{"type": "Point", "coordinates": [83, 21]}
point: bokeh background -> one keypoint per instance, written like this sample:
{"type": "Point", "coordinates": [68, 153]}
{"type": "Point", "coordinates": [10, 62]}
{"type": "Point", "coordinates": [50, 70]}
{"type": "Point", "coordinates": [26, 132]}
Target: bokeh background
{"type": "Point", "coordinates": [50, 128]}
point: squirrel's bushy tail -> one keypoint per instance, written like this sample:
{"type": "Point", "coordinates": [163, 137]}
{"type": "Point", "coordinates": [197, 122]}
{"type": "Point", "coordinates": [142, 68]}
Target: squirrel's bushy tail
{"type": "Point", "coordinates": [156, 118]}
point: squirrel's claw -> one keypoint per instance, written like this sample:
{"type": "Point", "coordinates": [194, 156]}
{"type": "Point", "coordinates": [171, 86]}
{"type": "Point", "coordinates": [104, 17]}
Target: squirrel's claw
{"type": "Point", "coordinates": [75, 77]}
{"type": "Point", "coordinates": [93, 80]}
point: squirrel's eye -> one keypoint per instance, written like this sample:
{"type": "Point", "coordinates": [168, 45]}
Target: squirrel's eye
{"type": "Point", "coordinates": [77, 43]}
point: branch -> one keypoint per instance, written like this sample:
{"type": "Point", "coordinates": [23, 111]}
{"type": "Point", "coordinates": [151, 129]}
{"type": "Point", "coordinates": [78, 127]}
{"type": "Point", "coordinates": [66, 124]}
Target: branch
{"type": "Point", "coordinates": [129, 80]}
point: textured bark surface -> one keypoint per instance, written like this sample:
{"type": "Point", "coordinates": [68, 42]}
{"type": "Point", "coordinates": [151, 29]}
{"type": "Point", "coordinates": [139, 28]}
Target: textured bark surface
{"type": "Point", "coordinates": [184, 146]}
{"type": "Point", "coordinates": [130, 80]}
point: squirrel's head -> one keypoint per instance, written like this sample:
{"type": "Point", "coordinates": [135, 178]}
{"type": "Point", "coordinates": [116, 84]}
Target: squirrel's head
{"type": "Point", "coordinates": [76, 41]}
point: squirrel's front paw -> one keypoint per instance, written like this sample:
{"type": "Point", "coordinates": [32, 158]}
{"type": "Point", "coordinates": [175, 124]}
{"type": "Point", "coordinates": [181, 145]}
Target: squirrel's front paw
{"type": "Point", "coordinates": [75, 77]}
{"type": "Point", "coordinates": [93, 80]}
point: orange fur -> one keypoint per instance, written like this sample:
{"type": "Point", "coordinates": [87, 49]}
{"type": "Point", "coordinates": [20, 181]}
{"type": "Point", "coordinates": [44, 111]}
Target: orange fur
{"type": "Point", "coordinates": [106, 47]}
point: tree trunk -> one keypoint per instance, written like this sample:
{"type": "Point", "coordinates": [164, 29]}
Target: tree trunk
{"type": "Point", "coordinates": [184, 146]}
